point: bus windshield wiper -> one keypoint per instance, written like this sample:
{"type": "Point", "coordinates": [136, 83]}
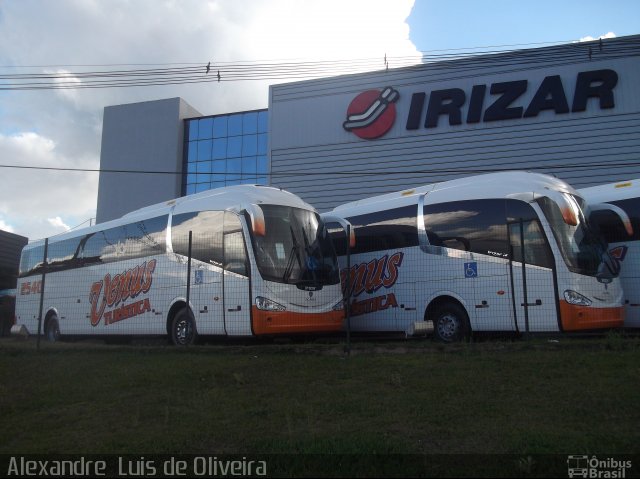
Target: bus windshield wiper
{"type": "Point", "coordinates": [310, 258]}
{"type": "Point", "coordinates": [294, 251]}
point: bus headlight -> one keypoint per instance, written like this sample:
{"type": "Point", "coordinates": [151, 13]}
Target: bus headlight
{"type": "Point", "coordinates": [573, 297]}
{"type": "Point", "coordinates": [268, 305]}
{"type": "Point", "coordinates": [339, 306]}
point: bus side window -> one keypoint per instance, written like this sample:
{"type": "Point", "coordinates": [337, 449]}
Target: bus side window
{"type": "Point", "coordinates": [385, 230]}
{"type": "Point", "coordinates": [536, 246]}
{"type": "Point", "coordinates": [31, 261]}
{"type": "Point", "coordinates": [63, 255]}
{"type": "Point", "coordinates": [206, 235]}
{"type": "Point", "coordinates": [130, 241]}
{"type": "Point", "coordinates": [478, 226]}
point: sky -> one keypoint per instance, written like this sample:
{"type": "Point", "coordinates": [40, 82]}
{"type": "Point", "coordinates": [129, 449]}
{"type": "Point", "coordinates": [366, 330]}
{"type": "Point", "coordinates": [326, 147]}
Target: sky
{"type": "Point", "coordinates": [62, 128]}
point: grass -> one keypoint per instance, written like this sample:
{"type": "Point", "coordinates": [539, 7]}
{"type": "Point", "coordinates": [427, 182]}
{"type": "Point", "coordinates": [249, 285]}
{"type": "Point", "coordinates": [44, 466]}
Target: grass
{"type": "Point", "coordinates": [574, 396]}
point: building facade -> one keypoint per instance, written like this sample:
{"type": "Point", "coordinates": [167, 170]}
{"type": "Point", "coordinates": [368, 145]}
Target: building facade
{"type": "Point", "coordinates": [571, 110]}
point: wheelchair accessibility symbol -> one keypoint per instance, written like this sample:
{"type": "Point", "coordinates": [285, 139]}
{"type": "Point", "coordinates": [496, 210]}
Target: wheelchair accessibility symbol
{"type": "Point", "coordinates": [471, 270]}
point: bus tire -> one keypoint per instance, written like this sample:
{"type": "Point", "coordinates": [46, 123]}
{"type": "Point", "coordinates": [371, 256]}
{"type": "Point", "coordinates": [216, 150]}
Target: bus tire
{"type": "Point", "coordinates": [450, 323]}
{"type": "Point", "coordinates": [183, 328]}
{"type": "Point", "coordinates": [52, 329]}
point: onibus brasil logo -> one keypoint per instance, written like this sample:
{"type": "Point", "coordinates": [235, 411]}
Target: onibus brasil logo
{"type": "Point", "coordinates": [372, 113]}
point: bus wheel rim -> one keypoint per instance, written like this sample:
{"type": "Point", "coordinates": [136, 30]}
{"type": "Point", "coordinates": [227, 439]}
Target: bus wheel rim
{"type": "Point", "coordinates": [448, 325]}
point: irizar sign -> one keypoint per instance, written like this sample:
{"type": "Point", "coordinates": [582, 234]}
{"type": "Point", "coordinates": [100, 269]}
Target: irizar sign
{"type": "Point", "coordinates": [550, 95]}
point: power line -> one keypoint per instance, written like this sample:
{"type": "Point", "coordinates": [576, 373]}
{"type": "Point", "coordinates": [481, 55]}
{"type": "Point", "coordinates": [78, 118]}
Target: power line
{"type": "Point", "coordinates": [385, 172]}
{"type": "Point", "coordinates": [271, 70]}
{"type": "Point", "coordinates": [294, 60]}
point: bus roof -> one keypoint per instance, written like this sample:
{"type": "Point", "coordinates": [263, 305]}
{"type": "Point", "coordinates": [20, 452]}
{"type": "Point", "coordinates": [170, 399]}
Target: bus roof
{"type": "Point", "coordinates": [620, 190]}
{"type": "Point", "coordinates": [232, 198]}
{"type": "Point", "coordinates": [515, 184]}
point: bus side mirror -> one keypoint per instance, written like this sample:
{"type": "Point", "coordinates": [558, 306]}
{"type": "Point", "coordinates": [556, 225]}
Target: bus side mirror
{"type": "Point", "coordinates": [567, 209]}
{"type": "Point", "coordinates": [256, 214]}
{"type": "Point", "coordinates": [328, 218]}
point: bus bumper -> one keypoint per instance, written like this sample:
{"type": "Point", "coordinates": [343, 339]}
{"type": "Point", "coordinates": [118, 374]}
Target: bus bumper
{"type": "Point", "coordinates": [285, 322]}
{"type": "Point", "coordinates": [576, 318]}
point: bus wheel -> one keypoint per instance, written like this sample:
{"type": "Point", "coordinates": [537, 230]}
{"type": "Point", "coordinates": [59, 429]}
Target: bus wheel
{"type": "Point", "coordinates": [52, 331]}
{"type": "Point", "coordinates": [183, 328]}
{"type": "Point", "coordinates": [450, 323]}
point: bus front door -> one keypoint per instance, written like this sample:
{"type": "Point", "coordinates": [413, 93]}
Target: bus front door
{"type": "Point", "coordinates": [534, 292]}
{"type": "Point", "coordinates": [236, 294]}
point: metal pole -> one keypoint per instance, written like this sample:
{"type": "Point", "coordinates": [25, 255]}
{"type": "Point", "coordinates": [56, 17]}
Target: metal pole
{"type": "Point", "coordinates": [348, 295]}
{"type": "Point", "coordinates": [44, 276]}
{"type": "Point", "coordinates": [524, 279]}
{"type": "Point", "coordinates": [189, 272]}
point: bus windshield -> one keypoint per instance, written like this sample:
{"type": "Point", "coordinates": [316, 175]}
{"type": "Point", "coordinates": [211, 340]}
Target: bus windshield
{"type": "Point", "coordinates": [583, 250]}
{"type": "Point", "coordinates": [296, 248]}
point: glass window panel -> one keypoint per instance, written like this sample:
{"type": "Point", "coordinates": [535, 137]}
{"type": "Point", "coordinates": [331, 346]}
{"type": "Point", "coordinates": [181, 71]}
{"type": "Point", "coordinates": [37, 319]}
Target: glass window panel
{"type": "Point", "coordinates": [205, 128]}
{"type": "Point", "coordinates": [478, 226]}
{"type": "Point", "coordinates": [191, 189]}
{"type": "Point", "coordinates": [219, 166]}
{"type": "Point", "coordinates": [234, 181]}
{"type": "Point", "coordinates": [262, 143]}
{"type": "Point", "coordinates": [217, 184]}
{"type": "Point", "coordinates": [202, 187]}
{"type": "Point", "coordinates": [204, 150]}
{"type": "Point", "coordinates": [248, 180]}
{"type": "Point", "coordinates": [192, 126]}
{"type": "Point", "coordinates": [206, 228]}
{"type": "Point", "coordinates": [219, 148]}
{"type": "Point", "coordinates": [234, 147]}
{"type": "Point", "coordinates": [263, 165]}
{"type": "Point", "coordinates": [261, 180]}
{"type": "Point", "coordinates": [234, 166]}
{"type": "Point", "coordinates": [191, 179]}
{"type": "Point", "coordinates": [250, 123]}
{"type": "Point", "coordinates": [249, 166]}
{"type": "Point", "coordinates": [384, 230]}
{"type": "Point", "coordinates": [234, 125]}
{"type": "Point", "coordinates": [192, 151]}
{"type": "Point", "coordinates": [249, 145]}
{"type": "Point", "coordinates": [191, 167]}
{"type": "Point", "coordinates": [204, 178]}
{"type": "Point", "coordinates": [263, 122]}
{"type": "Point", "coordinates": [203, 167]}
{"type": "Point", "coordinates": [220, 126]}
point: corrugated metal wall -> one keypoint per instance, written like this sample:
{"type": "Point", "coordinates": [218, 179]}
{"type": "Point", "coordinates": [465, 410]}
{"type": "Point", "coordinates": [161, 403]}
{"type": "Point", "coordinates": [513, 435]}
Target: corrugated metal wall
{"type": "Point", "coordinates": [314, 157]}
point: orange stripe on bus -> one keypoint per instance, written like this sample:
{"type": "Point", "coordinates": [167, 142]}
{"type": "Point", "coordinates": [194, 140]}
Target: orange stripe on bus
{"type": "Point", "coordinates": [277, 322]}
{"type": "Point", "coordinates": [576, 318]}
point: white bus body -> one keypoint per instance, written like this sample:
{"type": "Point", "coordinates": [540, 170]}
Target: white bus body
{"type": "Point", "coordinates": [451, 253]}
{"type": "Point", "coordinates": [262, 263]}
{"type": "Point", "coordinates": [624, 247]}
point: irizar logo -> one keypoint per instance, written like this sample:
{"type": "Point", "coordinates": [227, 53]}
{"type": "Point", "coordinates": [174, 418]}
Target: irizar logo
{"type": "Point", "coordinates": [372, 113]}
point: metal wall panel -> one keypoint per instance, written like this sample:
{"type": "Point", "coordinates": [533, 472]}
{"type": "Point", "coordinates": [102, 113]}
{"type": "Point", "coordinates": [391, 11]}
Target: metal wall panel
{"type": "Point", "coordinates": [313, 156]}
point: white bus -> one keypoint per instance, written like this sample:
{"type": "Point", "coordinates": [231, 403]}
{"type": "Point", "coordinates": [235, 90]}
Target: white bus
{"type": "Point", "coordinates": [623, 244]}
{"type": "Point", "coordinates": [451, 253]}
{"type": "Point", "coordinates": [262, 264]}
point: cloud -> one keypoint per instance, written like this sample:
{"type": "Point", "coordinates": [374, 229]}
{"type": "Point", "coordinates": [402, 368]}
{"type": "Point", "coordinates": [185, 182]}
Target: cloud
{"type": "Point", "coordinates": [589, 38]}
{"type": "Point", "coordinates": [5, 227]}
{"type": "Point", "coordinates": [58, 223]}
{"type": "Point", "coordinates": [29, 197]}
{"type": "Point", "coordinates": [63, 127]}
